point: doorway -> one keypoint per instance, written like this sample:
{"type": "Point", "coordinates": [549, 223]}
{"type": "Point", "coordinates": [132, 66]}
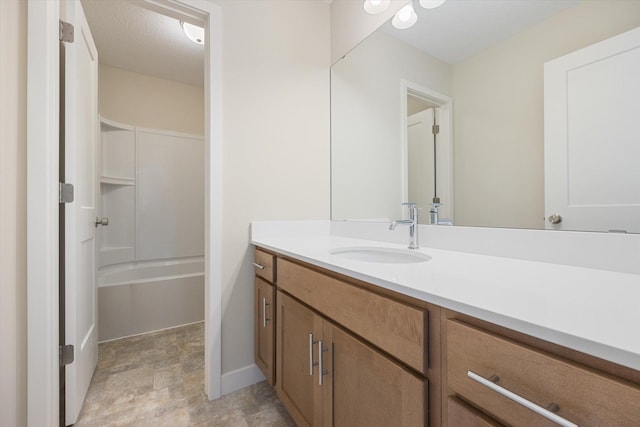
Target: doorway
{"type": "Point", "coordinates": [42, 196]}
{"type": "Point", "coordinates": [427, 152]}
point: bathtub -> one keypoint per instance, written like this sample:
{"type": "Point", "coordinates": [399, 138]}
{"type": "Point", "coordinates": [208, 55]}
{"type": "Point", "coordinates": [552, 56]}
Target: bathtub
{"type": "Point", "coordinates": [145, 296]}
{"type": "Point", "coordinates": [141, 271]}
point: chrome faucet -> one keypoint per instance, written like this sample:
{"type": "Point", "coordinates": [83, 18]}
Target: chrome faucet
{"type": "Point", "coordinates": [433, 213]}
{"type": "Point", "coordinates": [412, 222]}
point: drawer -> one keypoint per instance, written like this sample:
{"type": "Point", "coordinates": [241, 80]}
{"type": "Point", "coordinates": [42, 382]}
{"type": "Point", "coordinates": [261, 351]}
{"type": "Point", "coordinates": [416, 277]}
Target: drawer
{"type": "Point", "coordinates": [265, 265]}
{"type": "Point", "coordinates": [396, 328]}
{"type": "Point", "coordinates": [580, 395]}
{"type": "Point", "coordinates": [460, 414]}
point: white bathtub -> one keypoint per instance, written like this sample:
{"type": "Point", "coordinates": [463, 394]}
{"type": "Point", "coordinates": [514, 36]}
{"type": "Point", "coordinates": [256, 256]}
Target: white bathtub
{"type": "Point", "coordinates": [139, 297]}
{"type": "Point", "coordinates": [142, 271]}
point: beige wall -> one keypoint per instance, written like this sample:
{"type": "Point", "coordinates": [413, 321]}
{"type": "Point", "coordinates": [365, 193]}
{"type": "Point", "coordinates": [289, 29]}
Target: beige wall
{"type": "Point", "coordinates": [499, 117]}
{"type": "Point", "coordinates": [350, 24]}
{"type": "Point", "coordinates": [275, 141]}
{"type": "Point", "coordinates": [151, 102]}
{"type": "Point", "coordinates": [13, 252]}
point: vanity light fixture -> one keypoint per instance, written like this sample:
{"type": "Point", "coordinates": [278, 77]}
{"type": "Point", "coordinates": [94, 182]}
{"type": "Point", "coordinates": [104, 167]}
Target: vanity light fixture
{"type": "Point", "coordinates": [195, 33]}
{"type": "Point", "coordinates": [406, 17]}
{"type": "Point", "coordinates": [374, 7]}
{"type": "Point", "coordinates": [431, 4]}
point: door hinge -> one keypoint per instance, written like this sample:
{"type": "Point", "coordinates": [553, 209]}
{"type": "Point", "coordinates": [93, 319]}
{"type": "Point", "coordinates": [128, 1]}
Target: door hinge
{"type": "Point", "coordinates": [435, 129]}
{"type": "Point", "coordinates": [65, 192]}
{"type": "Point", "coordinates": [66, 32]}
{"type": "Point", "coordinates": [66, 355]}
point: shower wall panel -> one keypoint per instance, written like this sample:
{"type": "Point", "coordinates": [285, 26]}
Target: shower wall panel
{"type": "Point", "coordinates": [170, 196]}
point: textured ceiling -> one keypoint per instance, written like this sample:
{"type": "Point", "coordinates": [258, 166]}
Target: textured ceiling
{"type": "Point", "coordinates": [133, 38]}
{"type": "Point", "coordinates": [459, 29]}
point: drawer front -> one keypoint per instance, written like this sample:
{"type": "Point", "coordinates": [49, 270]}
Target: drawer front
{"type": "Point", "coordinates": [460, 414]}
{"type": "Point", "coordinates": [265, 265]}
{"type": "Point", "coordinates": [394, 327]}
{"type": "Point", "coordinates": [583, 396]}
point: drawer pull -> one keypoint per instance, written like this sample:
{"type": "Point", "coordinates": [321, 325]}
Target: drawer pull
{"type": "Point", "coordinates": [521, 400]}
{"type": "Point", "coordinates": [258, 266]}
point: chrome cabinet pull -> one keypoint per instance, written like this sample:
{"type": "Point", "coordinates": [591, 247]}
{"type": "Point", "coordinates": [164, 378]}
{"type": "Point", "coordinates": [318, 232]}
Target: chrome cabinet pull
{"type": "Point", "coordinates": [311, 362]}
{"type": "Point", "coordinates": [264, 312]}
{"type": "Point", "coordinates": [258, 266]}
{"type": "Point", "coordinates": [321, 371]}
{"type": "Point", "coordinates": [521, 400]}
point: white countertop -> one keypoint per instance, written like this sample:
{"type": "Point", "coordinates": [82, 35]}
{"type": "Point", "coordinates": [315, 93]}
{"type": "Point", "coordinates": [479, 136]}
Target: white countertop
{"type": "Point", "coordinates": [589, 310]}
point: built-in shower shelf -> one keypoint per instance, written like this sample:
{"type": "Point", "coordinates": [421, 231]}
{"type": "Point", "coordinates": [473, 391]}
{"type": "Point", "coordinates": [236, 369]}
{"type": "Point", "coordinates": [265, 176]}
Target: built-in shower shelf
{"type": "Point", "coordinates": [117, 181]}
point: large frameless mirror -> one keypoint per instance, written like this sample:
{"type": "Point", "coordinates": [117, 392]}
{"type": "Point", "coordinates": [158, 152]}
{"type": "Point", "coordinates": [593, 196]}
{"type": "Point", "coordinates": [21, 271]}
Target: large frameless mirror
{"type": "Point", "coordinates": [518, 114]}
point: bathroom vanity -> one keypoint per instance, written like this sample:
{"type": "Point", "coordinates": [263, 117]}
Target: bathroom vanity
{"type": "Point", "coordinates": [358, 343]}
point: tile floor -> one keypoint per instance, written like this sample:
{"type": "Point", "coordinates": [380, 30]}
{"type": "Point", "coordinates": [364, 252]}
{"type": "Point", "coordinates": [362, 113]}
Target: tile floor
{"type": "Point", "coordinates": [157, 380]}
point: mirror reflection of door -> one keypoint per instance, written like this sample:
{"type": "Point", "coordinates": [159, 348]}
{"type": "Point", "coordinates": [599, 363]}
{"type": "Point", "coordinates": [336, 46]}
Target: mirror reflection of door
{"type": "Point", "coordinates": [425, 162]}
{"type": "Point", "coordinates": [592, 97]}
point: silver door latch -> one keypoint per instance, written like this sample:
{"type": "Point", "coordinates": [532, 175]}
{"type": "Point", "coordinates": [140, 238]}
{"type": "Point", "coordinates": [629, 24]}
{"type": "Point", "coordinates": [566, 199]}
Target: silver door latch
{"type": "Point", "coordinates": [102, 221]}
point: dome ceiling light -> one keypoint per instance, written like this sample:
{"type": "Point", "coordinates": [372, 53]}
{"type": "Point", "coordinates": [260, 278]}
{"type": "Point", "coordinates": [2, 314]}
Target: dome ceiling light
{"type": "Point", "coordinates": [375, 7]}
{"type": "Point", "coordinates": [405, 17]}
{"type": "Point", "coordinates": [193, 32]}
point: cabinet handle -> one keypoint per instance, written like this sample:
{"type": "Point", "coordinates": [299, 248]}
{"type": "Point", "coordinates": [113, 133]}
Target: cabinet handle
{"type": "Point", "coordinates": [264, 312]}
{"type": "Point", "coordinates": [311, 362]}
{"type": "Point", "coordinates": [321, 371]}
{"type": "Point", "coordinates": [258, 266]}
{"type": "Point", "coordinates": [521, 400]}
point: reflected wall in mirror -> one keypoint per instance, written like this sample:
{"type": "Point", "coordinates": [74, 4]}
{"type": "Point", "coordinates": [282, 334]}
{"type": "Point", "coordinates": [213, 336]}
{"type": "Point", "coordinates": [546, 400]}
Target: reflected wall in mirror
{"type": "Point", "coordinates": [480, 65]}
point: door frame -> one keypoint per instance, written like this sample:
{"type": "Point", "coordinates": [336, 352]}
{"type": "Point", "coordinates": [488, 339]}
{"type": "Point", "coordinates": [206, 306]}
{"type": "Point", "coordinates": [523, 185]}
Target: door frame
{"type": "Point", "coordinates": [42, 198]}
{"type": "Point", "coordinates": [445, 104]}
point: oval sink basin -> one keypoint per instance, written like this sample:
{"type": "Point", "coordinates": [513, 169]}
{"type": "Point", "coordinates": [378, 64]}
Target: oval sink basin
{"type": "Point", "coordinates": [381, 255]}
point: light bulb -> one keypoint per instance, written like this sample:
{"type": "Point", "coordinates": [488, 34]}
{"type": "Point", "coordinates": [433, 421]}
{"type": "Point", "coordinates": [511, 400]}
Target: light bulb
{"type": "Point", "coordinates": [431, 4]}
{"type": "Point", "coordinates": [405, 17]}
{"type": "Point", "coordinates": [375, 7]}
{"type": "Point", "coordinates": [195, 33]}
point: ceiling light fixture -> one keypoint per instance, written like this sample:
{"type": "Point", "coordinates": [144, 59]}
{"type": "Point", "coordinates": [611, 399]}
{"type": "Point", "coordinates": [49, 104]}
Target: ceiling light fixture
{"type": "Point", "coordinates": [431, 4]}
{"type": "Point", "coordinates": [406, 17]}
{"type": "Point", "coordinates": [375, 7]}
{"type": "Point", "coordinates": [195, 33]}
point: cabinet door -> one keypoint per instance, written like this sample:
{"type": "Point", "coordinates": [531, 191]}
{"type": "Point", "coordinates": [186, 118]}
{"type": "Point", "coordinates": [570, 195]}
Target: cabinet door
{"type": "Point", "coordinates": [264, 328]}
{"type": "Point", "coordinates": [368, 388]}
{"type": "Point", "coordinates": [298, 330]}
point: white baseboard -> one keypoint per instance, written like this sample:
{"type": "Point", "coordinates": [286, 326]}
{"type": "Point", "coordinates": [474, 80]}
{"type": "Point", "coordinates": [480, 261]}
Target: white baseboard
{"type": "Point", "coordinates": [241, 378]}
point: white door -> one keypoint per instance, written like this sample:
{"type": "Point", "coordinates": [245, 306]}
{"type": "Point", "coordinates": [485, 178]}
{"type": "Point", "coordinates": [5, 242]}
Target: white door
{"type": "Point", "coordinates": [422, 159]}
{"type": "Point", "coordinates": [81, 136]}
{"type": "Point", "coordinates": [592, 137]}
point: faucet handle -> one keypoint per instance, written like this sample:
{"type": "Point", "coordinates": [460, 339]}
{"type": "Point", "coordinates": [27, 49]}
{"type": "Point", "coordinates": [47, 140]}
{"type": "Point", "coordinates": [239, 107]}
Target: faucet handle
{"type": "Point", "coordinates": [410, 204]}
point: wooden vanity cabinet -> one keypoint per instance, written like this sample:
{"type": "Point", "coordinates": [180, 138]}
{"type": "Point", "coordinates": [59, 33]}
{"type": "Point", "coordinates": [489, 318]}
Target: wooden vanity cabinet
{"type": "Point", "coordinates": [462, 415]}
{"type": "Point", "coordinates": [328, 377]}
{"type": "Point", "coordinates": [264, 311]}
{"type": "Point", "coordinates": [482, 364]}
{"type": "Point", "coordinates": [390, 360]}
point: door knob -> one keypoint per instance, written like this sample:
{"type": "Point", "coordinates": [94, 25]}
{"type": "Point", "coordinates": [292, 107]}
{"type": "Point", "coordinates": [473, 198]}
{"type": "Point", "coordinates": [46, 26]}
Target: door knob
{"type": "Point", "coordinates": [102, 221]}
{"type": "Point", "coordinates": [555, 219]}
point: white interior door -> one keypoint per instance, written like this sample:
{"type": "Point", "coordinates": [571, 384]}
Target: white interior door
{"type": "Point", "coordinates": [592, 136]}
{"type": "Point", "coordinates": [421, 162]}
{"type": "Point", "coordinates": [81, 137]}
